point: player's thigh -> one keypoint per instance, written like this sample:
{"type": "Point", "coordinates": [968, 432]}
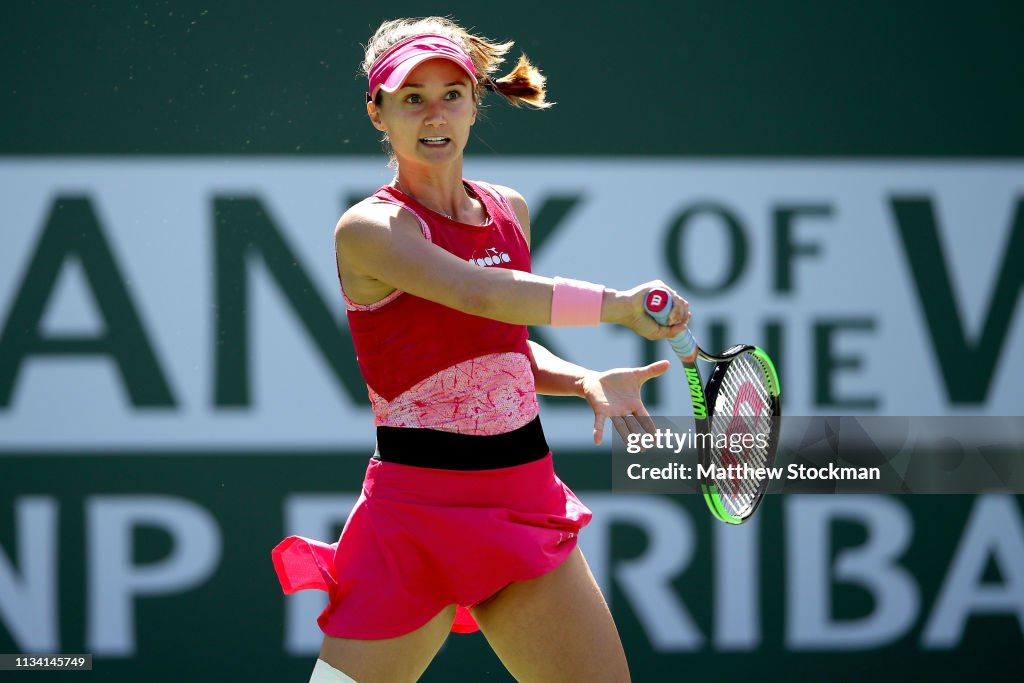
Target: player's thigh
{"type": "Point", "coordinates": [392, 660]}
{"type": "Point", "coordinates": [556, 627]}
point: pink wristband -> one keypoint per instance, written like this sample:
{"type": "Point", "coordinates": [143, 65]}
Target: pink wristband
{"type": "Point", "coordinates": [575, 302]}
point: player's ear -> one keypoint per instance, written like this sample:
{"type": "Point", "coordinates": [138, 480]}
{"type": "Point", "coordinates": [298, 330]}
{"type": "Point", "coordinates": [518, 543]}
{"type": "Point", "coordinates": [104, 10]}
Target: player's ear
{"type": "Point", "coordinates": [373, 111]}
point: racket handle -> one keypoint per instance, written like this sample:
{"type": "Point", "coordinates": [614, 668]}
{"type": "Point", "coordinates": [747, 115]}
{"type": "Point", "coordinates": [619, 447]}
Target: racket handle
{"type": "Point", "coordinates": [658, 303]}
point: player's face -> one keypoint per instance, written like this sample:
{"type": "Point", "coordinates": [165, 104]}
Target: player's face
{"type": "Point", "coordinates": [428, 119]}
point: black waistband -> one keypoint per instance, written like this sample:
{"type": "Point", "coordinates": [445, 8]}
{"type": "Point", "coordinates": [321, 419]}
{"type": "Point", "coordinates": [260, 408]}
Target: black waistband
{"type": "Point", "coordinates": [448, 451]}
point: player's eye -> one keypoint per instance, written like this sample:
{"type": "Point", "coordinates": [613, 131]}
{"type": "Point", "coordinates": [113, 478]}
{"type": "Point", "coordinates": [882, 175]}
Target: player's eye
{"type": "Point", "coordinates": [453, 95]}
{"type": "Point", "coordinates": [414, 99]}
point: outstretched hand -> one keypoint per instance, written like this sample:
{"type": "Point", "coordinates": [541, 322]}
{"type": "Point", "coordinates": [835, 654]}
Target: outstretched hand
{"type": "Point", "coordinates": [615, 394]}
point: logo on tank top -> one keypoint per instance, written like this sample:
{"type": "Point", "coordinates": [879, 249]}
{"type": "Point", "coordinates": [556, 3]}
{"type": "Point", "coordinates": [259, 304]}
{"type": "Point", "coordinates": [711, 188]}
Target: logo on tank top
{"type": "Point", "coordinates": [492, 257]}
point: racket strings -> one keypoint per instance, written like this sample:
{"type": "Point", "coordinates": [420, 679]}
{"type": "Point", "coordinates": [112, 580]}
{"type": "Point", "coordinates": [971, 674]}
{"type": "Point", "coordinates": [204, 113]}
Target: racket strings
{"type": "Point", "coordinates": [741, 408]}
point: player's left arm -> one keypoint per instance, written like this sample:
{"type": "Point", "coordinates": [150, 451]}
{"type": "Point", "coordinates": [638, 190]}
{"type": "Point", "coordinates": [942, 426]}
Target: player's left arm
{"type": "Point", "coordinates": [611, 393]}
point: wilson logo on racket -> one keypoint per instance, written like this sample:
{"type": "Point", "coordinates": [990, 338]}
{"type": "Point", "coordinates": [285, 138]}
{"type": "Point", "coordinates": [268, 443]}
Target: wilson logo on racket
{"type": "Point", "coordinates": [700, 409]}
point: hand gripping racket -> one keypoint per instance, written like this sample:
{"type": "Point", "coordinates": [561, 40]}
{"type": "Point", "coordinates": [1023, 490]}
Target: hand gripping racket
{"type": "Point", "coordinates": [736, 414]}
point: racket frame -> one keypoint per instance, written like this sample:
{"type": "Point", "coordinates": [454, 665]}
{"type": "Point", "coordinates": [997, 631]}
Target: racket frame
{"type": "Point", "coordinates": [710, 490]}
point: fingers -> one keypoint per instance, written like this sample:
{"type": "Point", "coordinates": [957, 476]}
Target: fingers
{"type": "Point", "coordinates": [618, 423]}
{"type": "Point", "coordinates": [654, 370]}
{"type": "Point", "coordinates": [680, 311]}
{"type": "Point", "coordinates": [632, 424]}
{"type": "Point", "coordinates": [622, 428]}
{"type": "Point", "coordinates": [645, 421]}
{"type": "Point", "coordinates": [655, 332]}
{"type": "Point", "coordinates": [599, 419]}
{"type": "Point", "coordinates": [681, 314]}
{"type": "Point", "coordinates": [648, 329]}
{"type": "Point", "coordinates": [669, 332]}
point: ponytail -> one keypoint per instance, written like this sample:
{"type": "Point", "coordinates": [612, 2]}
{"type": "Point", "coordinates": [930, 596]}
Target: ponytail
{"type": "Point", "coordinates": [523, 85]}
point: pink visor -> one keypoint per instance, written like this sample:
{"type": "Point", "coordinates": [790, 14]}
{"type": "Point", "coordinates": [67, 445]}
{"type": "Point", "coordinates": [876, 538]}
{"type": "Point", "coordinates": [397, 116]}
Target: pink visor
{"type": "Point", "coordinates": [389, 72]}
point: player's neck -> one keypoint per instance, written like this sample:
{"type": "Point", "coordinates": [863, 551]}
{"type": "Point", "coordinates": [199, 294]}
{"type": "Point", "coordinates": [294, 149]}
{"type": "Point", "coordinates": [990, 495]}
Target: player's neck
{"type": "Point", "coordinates": [440, 192]}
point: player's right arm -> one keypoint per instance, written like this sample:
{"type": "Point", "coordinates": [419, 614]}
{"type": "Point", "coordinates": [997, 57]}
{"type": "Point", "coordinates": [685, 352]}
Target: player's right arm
{"type": "Point", "coordinates": [381, 248]}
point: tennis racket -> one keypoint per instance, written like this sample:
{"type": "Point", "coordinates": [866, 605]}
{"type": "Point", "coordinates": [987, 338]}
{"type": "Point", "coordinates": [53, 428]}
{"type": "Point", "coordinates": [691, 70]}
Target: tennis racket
{"type": "Point", "coordinates": [736, 415]}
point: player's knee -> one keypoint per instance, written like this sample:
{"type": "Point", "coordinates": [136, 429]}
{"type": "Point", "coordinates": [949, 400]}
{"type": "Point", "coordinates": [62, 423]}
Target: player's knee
{"type": "Point", "coordinates": [325, 673]}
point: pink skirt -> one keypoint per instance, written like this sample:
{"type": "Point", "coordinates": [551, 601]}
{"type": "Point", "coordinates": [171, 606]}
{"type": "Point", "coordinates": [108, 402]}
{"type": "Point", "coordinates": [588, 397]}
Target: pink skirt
{"type": "Point", "coordinates": [421, 539]}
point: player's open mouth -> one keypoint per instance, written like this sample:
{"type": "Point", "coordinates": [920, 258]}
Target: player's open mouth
{"type": "Point", "coordinates": [435, 142]}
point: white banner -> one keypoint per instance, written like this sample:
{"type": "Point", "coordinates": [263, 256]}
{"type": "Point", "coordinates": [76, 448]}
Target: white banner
{"type": "Point", "coordinates": [180, 302]}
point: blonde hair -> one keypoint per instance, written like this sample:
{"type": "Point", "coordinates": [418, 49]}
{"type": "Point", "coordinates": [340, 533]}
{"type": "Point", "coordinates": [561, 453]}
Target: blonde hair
{"type": "Point", "coordinates": [523, 85]}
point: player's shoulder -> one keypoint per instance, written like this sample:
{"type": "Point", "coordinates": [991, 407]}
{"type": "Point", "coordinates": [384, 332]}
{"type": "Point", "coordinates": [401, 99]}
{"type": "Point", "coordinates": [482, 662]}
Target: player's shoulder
{"type": "Point", "coordinates": [513, 197]}
{"type": "Point", "coordinates": [519, 206]}
{"type": "Point", "coordinates": [370, 216]}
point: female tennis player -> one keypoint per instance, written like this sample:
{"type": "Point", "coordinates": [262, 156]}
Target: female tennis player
{"type": "Point", "coordinates": [462, 522]}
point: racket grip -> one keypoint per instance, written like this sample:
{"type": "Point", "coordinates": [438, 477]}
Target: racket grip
{"type": "Point", "coordinates": [658, 303]}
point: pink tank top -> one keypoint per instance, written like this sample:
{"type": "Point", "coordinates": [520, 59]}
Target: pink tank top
{"type": "Point", "coordinates": [429, 366]}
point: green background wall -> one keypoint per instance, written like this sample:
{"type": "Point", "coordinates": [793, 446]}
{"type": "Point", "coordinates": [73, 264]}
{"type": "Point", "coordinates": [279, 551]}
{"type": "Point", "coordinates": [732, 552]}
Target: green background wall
{"type": "Point", "coordinates": [783, 78]}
